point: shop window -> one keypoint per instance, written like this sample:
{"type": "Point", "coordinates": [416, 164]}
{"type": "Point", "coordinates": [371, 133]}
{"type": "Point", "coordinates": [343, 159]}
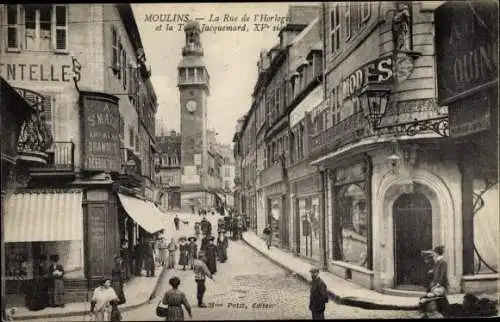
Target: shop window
{"type": "Point", "coordinates": [351, 227]}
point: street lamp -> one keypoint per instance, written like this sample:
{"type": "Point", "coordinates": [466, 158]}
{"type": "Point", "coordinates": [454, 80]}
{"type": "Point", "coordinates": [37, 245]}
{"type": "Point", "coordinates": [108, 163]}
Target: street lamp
{"type": "Point", "coordinates": [374, 102]}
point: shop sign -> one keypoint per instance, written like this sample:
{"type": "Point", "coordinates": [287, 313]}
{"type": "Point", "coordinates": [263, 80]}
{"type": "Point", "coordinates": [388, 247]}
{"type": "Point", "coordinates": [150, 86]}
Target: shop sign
{"type": "Point", "coordinates": [377, 71]}
{"type": "Point", "coordinates": [101, 123]}
{"type": "Point", "coordinates": [466, 48]}
{"type": "Point", "coordinates": [471, 115]}
{"type": "Point", "coordinates": [36, 72]}
{"type": "Point", "coordinates": [353, 173]}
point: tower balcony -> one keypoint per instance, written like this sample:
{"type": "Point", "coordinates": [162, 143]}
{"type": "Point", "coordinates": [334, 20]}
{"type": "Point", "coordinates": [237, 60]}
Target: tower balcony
{"type": "Point", "coordinates": [35, 137]}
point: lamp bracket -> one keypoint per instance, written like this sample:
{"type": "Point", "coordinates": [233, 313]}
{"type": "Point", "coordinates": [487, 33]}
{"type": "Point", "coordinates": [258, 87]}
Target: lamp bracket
{"type": "Point", "coordinates": [438, 125]}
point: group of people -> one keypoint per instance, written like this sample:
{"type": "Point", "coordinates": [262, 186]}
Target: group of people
{"type": "Point", "coordinates": [202, 262]}
{"type": "Point", "coordinates": [47, 289]}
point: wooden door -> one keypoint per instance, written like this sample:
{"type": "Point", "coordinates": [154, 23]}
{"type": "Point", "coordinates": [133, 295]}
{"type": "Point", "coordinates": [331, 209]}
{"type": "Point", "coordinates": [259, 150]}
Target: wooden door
{"type": "Point", "coordinates": [413, 233]}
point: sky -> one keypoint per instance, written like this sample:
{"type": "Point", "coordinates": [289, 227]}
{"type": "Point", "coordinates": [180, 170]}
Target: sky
{"type": "Point", "coordinates": [230, 56]}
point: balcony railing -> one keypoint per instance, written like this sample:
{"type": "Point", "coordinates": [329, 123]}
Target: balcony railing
{"type": "Point", "coordinates": [61, 158]}
{"type": "Point", "coordinates": [349, 130]}
{"type": "Point", "coordinates": [130, 173]}
{"type": "Point", "coordinates": [35, 137]}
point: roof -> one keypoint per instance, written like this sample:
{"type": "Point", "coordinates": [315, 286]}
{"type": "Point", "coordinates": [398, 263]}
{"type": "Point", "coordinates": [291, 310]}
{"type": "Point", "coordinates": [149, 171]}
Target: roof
{"type": "Point", "coordinates": [304, 32]}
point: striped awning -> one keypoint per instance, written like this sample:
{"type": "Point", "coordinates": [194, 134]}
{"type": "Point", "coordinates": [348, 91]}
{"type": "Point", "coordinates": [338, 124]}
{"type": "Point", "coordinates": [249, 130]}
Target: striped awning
{"type": "Point", "coordinates": [44, 216]}
{"type": "Point", "coordinates": [142, 212]}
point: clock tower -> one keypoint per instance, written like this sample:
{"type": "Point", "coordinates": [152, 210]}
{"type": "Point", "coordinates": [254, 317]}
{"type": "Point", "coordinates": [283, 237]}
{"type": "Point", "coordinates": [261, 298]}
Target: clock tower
{"type": "Point", "coordinates": [193, 83]}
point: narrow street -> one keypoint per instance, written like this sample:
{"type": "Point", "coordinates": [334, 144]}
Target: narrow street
{"type": "Point", "coordinates": [247, 287]}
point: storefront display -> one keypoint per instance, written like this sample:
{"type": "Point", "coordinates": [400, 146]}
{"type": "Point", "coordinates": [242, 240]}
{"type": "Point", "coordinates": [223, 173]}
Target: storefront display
{"type": "Point", "coordinates": [308, 210]}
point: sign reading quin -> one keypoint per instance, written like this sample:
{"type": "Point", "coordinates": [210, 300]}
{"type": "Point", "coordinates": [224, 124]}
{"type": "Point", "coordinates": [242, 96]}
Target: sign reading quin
{"type": "Point", "coordinates": [466, 48]}
{"type": "Point", "coordinates": [101, 125]}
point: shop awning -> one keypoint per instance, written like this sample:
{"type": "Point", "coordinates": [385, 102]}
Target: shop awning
{"type": "Point", "coordinates": [43, 216]}
{"type": "Point", "coordinates": [142, 212]}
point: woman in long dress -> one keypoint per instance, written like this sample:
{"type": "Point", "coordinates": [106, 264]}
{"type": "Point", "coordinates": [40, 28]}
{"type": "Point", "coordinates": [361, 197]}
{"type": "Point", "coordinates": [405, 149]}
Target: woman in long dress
{"type": "Point", "coordinates": [100, 304]}
{"type": "Point", "coordinates": [193, 251]}
{"type": "Point", "coordinates": [172, 247]}
{"type": "Point", "coordinates": [183, 253]}
{"type": "Point", "coordinates": [57, 286]}
{"type": "Point", "coordinates": [175, 299]}
{"type": "Point", "coordinates": [38, 297]}
{"type": "Point", "coordinates": [117, 280]}
{"type": "Point", "coordinates": [211, 254]}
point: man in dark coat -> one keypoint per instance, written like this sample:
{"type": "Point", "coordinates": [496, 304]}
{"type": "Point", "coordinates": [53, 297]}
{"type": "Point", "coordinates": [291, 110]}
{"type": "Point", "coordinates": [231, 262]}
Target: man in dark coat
{"type": "Point", "coordinates": [193, 251]}
{"type": "Point", "coordinates": [204, 225]}
{"type": "Point", "coordinates": [149, 261]}
{"type": "Point", "coordinates": [176, 222]}
{"type": "Point", "coordinates": [211, 255]}
{"type": "Point", "coordinates": [318, 296]}
{"type": "Point", "coordinates": [204, 243]}
{"type": "Point", "coordinates": [138, 258]}
{"type": "Point", "coordinates": [440, 269]}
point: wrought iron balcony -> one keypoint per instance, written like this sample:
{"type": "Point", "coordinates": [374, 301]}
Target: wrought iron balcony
{"type": "Point", "coordinates": [130, 173]}
{"type": "Point", "coordinates": [349, 130]}
{"type": "Point", "coordinates": [61, 160]}
{"type": "Point", "coordinates": [35, 137]}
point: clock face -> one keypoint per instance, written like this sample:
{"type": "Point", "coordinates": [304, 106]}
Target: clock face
{"type": "Point", "coordinates": [191, 106]}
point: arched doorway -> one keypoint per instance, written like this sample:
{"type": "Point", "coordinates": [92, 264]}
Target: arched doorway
{"type": "Point", "coordinates": [413, 233]}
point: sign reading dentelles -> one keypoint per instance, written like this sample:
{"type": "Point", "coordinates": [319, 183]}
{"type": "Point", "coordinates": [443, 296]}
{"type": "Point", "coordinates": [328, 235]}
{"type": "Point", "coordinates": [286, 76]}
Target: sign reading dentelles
{"type": "Point", "coordinates": [101, 122]}
{"type": "Point", "coordinates": [36, 72]}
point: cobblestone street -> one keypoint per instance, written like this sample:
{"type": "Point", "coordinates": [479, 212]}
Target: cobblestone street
{"type": "Point", "coordinates": [249, 287]}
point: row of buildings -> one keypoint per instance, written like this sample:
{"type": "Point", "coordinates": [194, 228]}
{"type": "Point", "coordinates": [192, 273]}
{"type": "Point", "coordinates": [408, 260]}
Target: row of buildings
{"type": "Point", "coordinates": [78, 107]}
{"type": "Point", "coordinates": [372, 136]}
{"type": "Point", "coordinates": [169, 173]}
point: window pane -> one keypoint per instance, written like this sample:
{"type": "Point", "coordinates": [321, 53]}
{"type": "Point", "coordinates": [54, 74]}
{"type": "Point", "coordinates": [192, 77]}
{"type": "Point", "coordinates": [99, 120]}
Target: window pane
{"type": "Point", "coordinates": [12, 15]}
{"type": "Point", "coordinates": [11, 37]}
{"type": "Point", "coordinates": [61, 39]}
{"type": "Point", "coordinates": [60, 16]}
{"type": "Point", "coordinates": [46, 15]}
{"type": "Point", "coordinates": [30, 17]}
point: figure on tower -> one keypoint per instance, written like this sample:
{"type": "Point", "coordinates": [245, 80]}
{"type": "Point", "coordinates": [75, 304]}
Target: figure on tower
{"type": "Point", "coordinates": [193, 43]}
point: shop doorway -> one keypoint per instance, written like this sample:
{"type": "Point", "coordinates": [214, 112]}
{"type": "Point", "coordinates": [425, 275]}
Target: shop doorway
{"type": "Point", "coordinates": [412, 233]}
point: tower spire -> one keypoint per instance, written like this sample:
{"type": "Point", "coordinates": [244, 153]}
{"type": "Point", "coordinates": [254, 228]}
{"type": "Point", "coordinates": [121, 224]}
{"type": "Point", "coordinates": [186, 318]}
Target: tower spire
{"type": "Point", "coordinates": [193, 42]}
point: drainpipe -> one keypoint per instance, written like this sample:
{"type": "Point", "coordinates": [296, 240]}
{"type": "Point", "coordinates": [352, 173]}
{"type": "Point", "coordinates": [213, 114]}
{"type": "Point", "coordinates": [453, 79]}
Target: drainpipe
{"type": "Point", "coordinates": [324, 257]}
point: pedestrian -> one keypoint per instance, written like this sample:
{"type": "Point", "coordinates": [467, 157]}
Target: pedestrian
{"type": "Point", "coordinates": [211, 255]}
{"type": "Point", "coordinates": [318, 296]}
{"type": "Point", "coordinates": [171, 247]}
{"type": "Point", "coordinates": [163, 250]}
{"type": "Point", "coordinates": [268, 233]}
{"type": "Point", "coordinates": [149, 259]}
{"type": "Point", "coordinates": [204, 225]}
{"type": "Point", "coordinates": [176, 222]}
{"type": "Point", "coordinates": [117, 280]}
{"type": "Point", "coordinates": [222, 244]}
{"type": "Point", "coordinates": [100, 304]}
{"type": "Point", "coordinates": [125, 258]}
{"type": "Point", "coordinates": [175, 299]}
{"type": "Point", "coordinates": [115, 314]}
{"type": "Point", "coordinates": [201, 271]}
{"type": "Point", "coordinates": [440, 272]}
{"type": "Point", "coordinates": [234, 226]}
{"type": "Point", "coordinates": [193, 250]}
{"type": "Point", "coordinates": [138, 257]}
{"type": "Point", "coordinates": [183, 253]}
{"type": "Point", "coordinates": [38, 294]}
{"type": "Point", "coordinates": [204, 243]}
{"type": "Point", "coordinates": [56, 295]}
{"type": "Point", "coordinates": [197, 229]}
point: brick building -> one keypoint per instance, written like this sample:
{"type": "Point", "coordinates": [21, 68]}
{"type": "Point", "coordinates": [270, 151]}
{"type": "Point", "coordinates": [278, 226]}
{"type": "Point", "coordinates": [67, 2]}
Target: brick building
{"type": "Point", "coordinates": [84, 66]}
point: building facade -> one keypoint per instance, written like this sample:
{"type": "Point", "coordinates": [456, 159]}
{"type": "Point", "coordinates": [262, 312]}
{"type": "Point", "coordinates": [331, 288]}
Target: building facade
{"type": "Point", "coordinates": [169, 169]}
{"type": "Point", "coordinates": [89, 77]}
{"type": "Point", "coordinates": [373, 171]}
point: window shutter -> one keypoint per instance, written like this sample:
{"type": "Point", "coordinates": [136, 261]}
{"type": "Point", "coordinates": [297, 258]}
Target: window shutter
{"type": "Point", "coordinates": [48, 113]}
{"type": "Point", "coordinates": [347, 21]}
{"type": "Point", "coordinates": [124, 68]}
{"type": "Point", "coordinates": [114, 47]}
{"type": "Point", "coordinates": [13, 15]}
{"type": "Point", "coordinates": [119, 66]}
{"type": "Point", "coordinates": [61, 27]}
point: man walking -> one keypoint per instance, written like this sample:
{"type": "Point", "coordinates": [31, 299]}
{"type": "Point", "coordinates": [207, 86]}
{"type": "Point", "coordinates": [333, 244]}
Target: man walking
{"type": "Point", "coordinates": [200, 273]}
{"type": "Point", "coordinates": [318, 297]}
{"type": "Point", "coordinates": [268, 233]}
{"type": "Point", "coordinates": [176, 222]}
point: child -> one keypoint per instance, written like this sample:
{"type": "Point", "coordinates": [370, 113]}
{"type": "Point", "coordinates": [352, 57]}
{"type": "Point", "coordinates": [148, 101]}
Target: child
{"type": "Point", "coordinates": [115, 314]}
